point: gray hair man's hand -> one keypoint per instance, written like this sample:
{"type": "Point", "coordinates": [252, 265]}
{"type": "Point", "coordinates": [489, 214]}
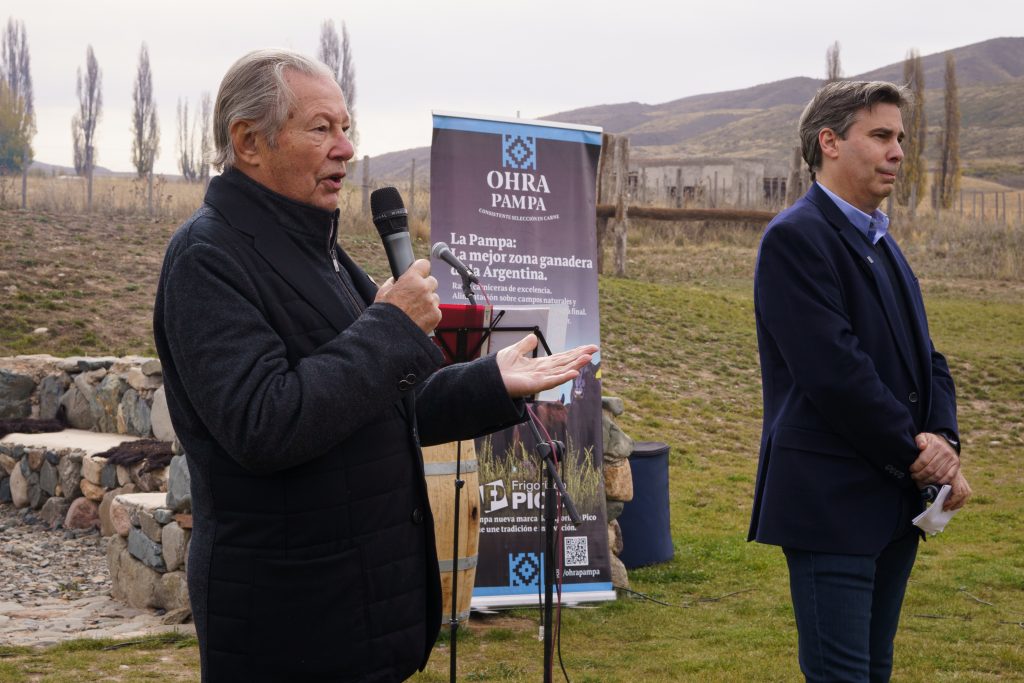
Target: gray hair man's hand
{"type": "Point", "coordinates": [525, 376]}
{"type": "Point", "coordinates": [416, 294]}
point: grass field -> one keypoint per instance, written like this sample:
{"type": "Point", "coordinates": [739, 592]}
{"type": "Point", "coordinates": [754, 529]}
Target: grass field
{"type": "Point", "coordinates": [678, 345]}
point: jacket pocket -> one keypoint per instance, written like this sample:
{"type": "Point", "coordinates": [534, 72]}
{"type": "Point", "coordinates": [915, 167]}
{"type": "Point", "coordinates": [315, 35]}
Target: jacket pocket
{"type": "Point", "coordinates": [309, 615]}
{"type": "Point", "coordinates": [797, 438]}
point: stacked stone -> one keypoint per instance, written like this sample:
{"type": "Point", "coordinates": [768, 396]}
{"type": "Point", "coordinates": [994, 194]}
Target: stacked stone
{"type": "Point", "coordinates": [618, 482]}
{"type": "Point", "coordinates": [40, 478]}
{"type": "Point", "coordinates": [148, 551]}
{"type": "Point", "coordinates": [149, 530]}
{"type": "Point", "coordinates": [100, 394]}
{"type": "Point", "coordinates": [70, 487]}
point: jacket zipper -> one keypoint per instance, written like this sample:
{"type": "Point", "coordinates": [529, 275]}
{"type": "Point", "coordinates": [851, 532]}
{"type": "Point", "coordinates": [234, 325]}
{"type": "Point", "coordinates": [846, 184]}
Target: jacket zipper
{"type": "Point", "coordinates": [332, 241]}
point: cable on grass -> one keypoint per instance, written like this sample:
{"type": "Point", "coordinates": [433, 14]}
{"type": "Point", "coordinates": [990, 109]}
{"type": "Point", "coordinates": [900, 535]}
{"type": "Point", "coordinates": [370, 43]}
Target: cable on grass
{"type": "Point", "coordinates": [963, 590]}
{"type": "Point", "coordinates": [685, 605]}
{"type": "Point", "coordinates": [641, 595]}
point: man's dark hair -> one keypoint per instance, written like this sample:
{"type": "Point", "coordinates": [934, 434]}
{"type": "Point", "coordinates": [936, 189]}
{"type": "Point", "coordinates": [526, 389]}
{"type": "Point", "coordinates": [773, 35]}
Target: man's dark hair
{"type": "Point", "coordinates": [836, 106]}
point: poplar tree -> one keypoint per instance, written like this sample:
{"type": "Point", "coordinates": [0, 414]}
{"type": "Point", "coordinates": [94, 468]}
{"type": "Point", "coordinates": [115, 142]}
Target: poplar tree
{"type": "Point", "coordinates": [187, 162]}
{"type": "Point", "coordinates": [19, 107]}
{"type": "Point", "coordinates": [204, 122]}
{"type": "Point", "coordinates": [12, 134]}
{"type": "Point", "coordinates": [833, 69]}
{"type": "Point", "coordinates": [336, 53]}
{"type": "Point", "coordinates": [145, 126]}
{"type": "Point", "coordinates": [913, 173]}
{"type": "Point", "coordinates": [195, 140]}
{"type": "Point", "coordinates": [83, 124]}
{"type": "Point", "coordinates": [949, 177]}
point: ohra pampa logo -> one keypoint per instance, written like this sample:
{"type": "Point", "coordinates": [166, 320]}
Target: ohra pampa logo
{"type": "Point", "coordinates": [519, 152]}
{"type": "Point", "coordinates": [518, 185]}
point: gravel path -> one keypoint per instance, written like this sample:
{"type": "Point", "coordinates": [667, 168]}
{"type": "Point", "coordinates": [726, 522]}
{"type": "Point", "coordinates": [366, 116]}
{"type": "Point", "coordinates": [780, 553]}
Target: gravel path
{"type": "Point", "coordinates": [54, 586]}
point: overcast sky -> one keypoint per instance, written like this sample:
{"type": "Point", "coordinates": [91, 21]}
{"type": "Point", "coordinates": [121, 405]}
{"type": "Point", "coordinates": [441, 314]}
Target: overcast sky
{"type": "Point", "coordinates": [526, 57]}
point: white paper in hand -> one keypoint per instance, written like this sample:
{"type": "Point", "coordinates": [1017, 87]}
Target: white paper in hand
{"type": "Point", "coordinates": [934, 519]}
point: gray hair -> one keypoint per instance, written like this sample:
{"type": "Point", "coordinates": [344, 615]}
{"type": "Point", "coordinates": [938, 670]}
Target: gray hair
{"type": "Point", "coordinates": [254, 89]}
{"type": "Point", "coordinates": [836, 106]}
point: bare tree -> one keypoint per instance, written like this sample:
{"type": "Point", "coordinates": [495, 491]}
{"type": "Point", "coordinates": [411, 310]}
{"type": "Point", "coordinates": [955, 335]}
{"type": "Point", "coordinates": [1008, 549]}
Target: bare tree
{"type": "Point", "coordinates": [833, 69]}
{"type": "Point", "coordinates": [187, 163]}
{"type": "Point", "coordinates": [195, 140]}
{"type": "Point", "coordinates": [15, 72]}
{"type": "Point", "coordinates": [145, 126]}
{"type": "Point", "coordinates": [337, 55]}
{"type": "Point", "coordinates": [913, 173]}
{"type": "Point", "coordinates": [84, 122]}
{"type": "Point", "coordinates": [204, 122]}
{"type": "Point", "coordinates": [949, 183]}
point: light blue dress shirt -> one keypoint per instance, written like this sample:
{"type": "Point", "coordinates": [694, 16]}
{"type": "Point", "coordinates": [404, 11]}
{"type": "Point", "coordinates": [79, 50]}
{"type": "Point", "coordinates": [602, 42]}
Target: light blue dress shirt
{"type": "Point", "coordinates": [871, 225]}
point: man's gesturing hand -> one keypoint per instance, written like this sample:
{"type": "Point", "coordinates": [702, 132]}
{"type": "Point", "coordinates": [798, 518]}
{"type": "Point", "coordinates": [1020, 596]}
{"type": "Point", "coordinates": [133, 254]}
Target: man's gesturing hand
{"type": "Point", "coordinates": [416, 294]}
{"type": "Point", "coordinates": [524, 376]}
{"type": "Point", "coordinates": [937, 463]}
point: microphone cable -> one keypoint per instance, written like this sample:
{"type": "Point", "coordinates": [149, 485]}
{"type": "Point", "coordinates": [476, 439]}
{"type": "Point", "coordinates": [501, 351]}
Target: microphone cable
{"type": "Point", "coordinates": [559, 550]}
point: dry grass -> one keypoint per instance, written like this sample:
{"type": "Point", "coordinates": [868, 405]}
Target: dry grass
{"type": "Point", "coordinates": [112, 196]}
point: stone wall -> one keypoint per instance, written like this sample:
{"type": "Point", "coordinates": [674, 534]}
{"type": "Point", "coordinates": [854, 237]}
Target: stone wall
{"type": "Point", "coordinates": [144, 514]}
{"type": "Point", "coordinates": [618, 482]}
{"type": "Point", "coordinates": [149, 545]}
{"type": "Point", "coordinates": [107, 394]}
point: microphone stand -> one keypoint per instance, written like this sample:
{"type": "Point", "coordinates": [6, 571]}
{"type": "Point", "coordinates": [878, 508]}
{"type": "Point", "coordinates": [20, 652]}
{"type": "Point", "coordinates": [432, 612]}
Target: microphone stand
{"type": "Point", "coordinates": [549, 451]}
{"type": "Point", "coordinates": [453, 621]}
{"type": "Point", "coordinates": [467, 281]}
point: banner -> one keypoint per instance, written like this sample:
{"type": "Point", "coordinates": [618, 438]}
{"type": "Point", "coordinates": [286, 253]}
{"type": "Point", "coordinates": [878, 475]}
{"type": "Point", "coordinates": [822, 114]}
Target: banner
{"type": "Point", "coordinates": [515, 201]}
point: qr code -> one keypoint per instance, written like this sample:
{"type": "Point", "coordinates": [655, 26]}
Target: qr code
{"type": "Point", "coordinates": [576, 552]}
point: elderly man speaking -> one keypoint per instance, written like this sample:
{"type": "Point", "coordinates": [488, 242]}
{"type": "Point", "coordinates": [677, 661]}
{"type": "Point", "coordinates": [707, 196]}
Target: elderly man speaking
{"type": "Point", "coordinates": [301, 394]}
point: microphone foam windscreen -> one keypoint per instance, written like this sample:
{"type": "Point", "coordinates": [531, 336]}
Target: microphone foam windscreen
{"type": "Point", "coordinates": [386, 206]}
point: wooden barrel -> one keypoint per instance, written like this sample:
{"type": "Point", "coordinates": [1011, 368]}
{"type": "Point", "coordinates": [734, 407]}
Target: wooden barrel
{"type": "Point", "coordinates": [439, 467]}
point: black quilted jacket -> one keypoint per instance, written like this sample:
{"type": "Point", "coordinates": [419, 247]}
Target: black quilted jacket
{"type": "Point", "coordinates": [301, 406]}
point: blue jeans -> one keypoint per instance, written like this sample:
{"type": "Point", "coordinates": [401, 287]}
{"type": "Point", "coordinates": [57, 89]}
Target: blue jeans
{"type": "Point", "coordinates": [847, 608]}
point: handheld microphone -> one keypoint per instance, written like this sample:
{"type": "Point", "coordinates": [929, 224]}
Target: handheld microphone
{"type": "Point", "coordinates": [441, 251]}
{"type": "Point", "coordinates": [392, 222]}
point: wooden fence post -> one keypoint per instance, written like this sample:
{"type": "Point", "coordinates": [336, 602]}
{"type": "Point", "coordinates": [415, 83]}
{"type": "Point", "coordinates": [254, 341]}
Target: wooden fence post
{"type": "Point", "coordinates": [679, 187]}
{"type": "Point", "coordinates": [412, 188]}
{"type": "Point", "coordinates": [366, 185]}
{"type": "Point", "coordinates": [607, 149]}
{"type": "Point", "coordinates": [621, 204]}
{"type": "Point", "coordinates": [794, 189]}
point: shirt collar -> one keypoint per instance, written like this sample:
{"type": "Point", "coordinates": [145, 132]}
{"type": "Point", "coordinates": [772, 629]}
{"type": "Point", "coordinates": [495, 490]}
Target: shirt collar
{"type": "Point", "coordinates": [864, 222]}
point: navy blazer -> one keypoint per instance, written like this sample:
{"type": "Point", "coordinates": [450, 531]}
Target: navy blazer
{"type": "Point", "coordinates": [843, 395]}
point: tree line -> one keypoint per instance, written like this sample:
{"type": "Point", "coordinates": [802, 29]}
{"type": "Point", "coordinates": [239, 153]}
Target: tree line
{"type": "Point", "coordinates": [194, 140]}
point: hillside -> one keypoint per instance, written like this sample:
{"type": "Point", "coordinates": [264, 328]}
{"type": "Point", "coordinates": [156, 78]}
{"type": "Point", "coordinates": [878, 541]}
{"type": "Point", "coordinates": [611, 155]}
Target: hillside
{"type": "Point", "coordinates": [760, 121]}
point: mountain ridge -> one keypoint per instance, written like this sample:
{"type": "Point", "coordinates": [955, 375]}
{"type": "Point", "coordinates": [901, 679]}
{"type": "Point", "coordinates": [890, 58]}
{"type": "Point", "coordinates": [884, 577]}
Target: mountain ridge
{"type": "Point", "coordinates": [759, 121]}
